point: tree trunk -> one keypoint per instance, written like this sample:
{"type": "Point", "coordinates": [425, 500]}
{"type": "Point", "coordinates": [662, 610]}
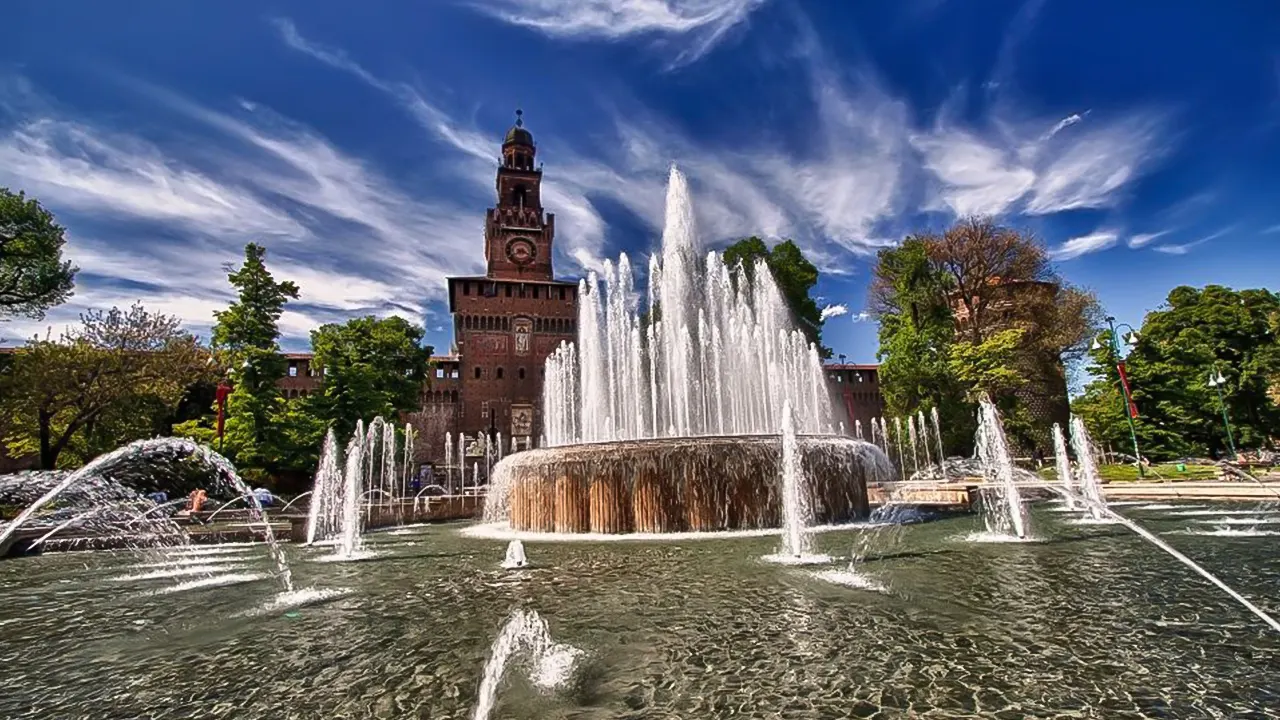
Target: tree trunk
{"type": "Point", "coordinates": [48, 457]}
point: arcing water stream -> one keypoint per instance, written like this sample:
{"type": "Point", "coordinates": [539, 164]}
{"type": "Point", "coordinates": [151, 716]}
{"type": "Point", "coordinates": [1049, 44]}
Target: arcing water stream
{"type": "Point", "coordinates": [145, 450]}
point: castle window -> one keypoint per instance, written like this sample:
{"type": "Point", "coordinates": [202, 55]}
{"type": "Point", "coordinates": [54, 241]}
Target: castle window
{"type": "Point", "coordinates": [439, 373]}
{"type": "Point", "coordinates": [466, 288]}
{"type": "Point", "coordinates": [508, 287]}
{"type": "Point", "coordinates": [520, 373]}
{"type": "Point", "coordinates": [491, 290]}
{"type": "Point", "coordinates": [454, 374]}
{"type": "Point", "coordinates": [293, 371]}
{"type": "Point", "coordinates": [521, 293]}
{"type": "Point", "coordinates": [477, 373]}
{"type": "Point", "coordinates": [499, 373]}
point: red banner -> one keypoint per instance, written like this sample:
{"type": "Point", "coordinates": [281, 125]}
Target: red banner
{"type": "Point", "coordinates": [1128, 394]}
{"type": "Point", "coordinates": [223, 391]}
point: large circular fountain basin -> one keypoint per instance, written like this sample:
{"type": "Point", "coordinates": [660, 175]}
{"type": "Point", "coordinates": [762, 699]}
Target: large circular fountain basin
{"type": "Point", "coordinates": [679, 484]}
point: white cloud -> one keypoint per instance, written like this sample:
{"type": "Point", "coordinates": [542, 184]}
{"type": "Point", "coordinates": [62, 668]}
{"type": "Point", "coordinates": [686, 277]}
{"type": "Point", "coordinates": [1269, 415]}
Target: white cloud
{"type": "Point", "coordinates": [1015, 166]}
{"type": "Point", "coordinates": [1271, 230]}
{"type": "Point", "coordinates": [828, 198]}
{"type": "Point", "coordinates": [73, 166]}
{"type": "Point", "coordinates": [1184, 248]}
{"type": "Point", "coordinates": [1085, 244]}
{"type": "Point", "coordinates": [701, 23]}
{"type": "Point", "coordinates": [352, 238]}
{"type": "Point", "coordinates": [836, 310]}
{"type": "Point", "coordinates": [1142, 240]}
{"type": "Point", "coordinates": [863, 316]}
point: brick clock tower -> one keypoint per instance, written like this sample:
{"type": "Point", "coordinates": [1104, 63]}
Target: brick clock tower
{"type": "Point", "coordinates": [507, 322]}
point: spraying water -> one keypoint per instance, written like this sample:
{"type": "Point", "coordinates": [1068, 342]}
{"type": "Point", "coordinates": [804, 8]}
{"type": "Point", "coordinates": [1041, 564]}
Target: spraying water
{"type": "Point", "coordinates": [937, 434]}
{"type": "Point", "coordinates": [1084, 450]}
{"type": "Point", "coordinates": [924, 439]}
{"type": "Point", "coordinates": [902, 458]}
{"type": "Point", "coordinates": [796, 513]}
{"type": "Point", "coordinates": [1005, 514]}
{"type": "Point", "coordinates": [515, 556]}
{"type": "Point", "coordinates": [911, 437]}
{"type": "Point", "coordinates": [160, 447]}
{"type": "Point", "coordinates": [1063, 465]}
{"type": "Point", "coordinates": [524, 636]}
{"type": "Point", "coordinates": [722, 360]}
{"type": "Point", "coordinates": [448, 459]}
{"type": "Point", "coordinates": [1090, 484]}
{"type": "Point", "coordinates": [350, 541]}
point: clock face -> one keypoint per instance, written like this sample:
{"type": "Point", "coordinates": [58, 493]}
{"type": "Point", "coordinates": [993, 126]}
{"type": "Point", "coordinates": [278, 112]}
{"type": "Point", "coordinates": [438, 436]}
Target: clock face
{"type": "Point", "coordinates": [520, 251]}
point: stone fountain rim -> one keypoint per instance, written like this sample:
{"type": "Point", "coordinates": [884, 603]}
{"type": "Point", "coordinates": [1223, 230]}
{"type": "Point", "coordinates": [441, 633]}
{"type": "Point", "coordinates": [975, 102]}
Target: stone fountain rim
{"type": "Point", "coordinates": [684, 441]}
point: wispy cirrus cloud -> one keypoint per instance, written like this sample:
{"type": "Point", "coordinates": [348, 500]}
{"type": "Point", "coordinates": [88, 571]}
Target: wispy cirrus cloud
{"type": "Point", "coordinates": [863, 316]}
{"type": "Point", "coordinates": [698, 24]}
{"type": "Point", "coordinates": [828, 197]}
{"type": "Point", "coordinates": [1037, 167]}
{"type": "Point", "coordinates": [179, 212]}
{"type": "Point", "coordinates": [1084, 245]}
{"type": "Point", "coordinates": [1184, 248]}
{"type": "Point", "coordinates": [1142, 240]}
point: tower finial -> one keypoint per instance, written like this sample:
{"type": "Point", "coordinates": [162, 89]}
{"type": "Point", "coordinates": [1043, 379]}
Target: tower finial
{"type": "Point", "coordinates": [519, 117]}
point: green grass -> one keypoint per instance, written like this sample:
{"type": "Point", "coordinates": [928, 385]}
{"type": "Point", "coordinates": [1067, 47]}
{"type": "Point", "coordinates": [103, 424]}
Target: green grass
{"type": "Point", "coordinates": [1160, 471]}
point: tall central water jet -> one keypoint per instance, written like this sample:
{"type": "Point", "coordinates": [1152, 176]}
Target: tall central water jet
{"type": "Point", "coordinates": [719, 355]}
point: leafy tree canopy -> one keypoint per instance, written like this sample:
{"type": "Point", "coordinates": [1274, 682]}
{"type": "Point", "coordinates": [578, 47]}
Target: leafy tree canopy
{"type": "Point", "coordinates": [794, 275]}
{"type": "Point", "coordinates": [102, 384]}
{"type": "Point", "coordinates": [976, 309]}
{"type": "Point", "coordinates": [371, 367]}
{"type": "Point", "coordinates": [33, 275]}
{"type": "Point", "coordinates": [1197, 332]}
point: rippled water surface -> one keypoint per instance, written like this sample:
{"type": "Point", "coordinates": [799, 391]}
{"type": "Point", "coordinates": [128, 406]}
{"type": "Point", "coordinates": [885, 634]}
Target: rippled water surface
{"type": "Point", "coordinates": [1088, 622]}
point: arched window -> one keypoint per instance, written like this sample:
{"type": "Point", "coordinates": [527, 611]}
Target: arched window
{"type": "Point", "coordinates": [519, 196]}
{"type": "Point", "coordinates": [499, 373]}
{"type": "Point", "coordinates": [477, 372]}
{"type": "Point", "coordinates": [520, 373]}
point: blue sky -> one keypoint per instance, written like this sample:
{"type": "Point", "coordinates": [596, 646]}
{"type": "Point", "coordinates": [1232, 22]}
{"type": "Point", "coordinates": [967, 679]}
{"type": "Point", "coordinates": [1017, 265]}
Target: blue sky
{"type": "Point", "coordinates": [1140, 140]}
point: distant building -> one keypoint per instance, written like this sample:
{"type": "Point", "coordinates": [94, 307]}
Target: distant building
{"type": "Point", "coordinates": [858, 389]}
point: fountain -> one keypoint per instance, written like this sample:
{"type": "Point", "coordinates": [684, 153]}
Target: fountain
{"type": "Point", "coordinates": [166, 447]}
{"type": "Point", "coordinates": [1063, 465]}
{"type": "Point", "coordinates": [345, 481]}
{"type": "Point", "coordinates": [668, 422]}
{"type": "Point", "coordinates": [524, 637]}
{"type": "Point", "coordinates": [1002, 508]}
{"type": "Point", "coordinates": [515, 556]}
{"type": "Point", "coordinates": [1090, 482]}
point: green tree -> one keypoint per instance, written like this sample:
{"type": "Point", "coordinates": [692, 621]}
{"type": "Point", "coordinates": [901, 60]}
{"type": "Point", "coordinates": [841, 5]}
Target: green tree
{"type": "Point", "coordinates": [99, 386]}
{"type": "Point", "coordinates": [1196, 331]}
{"type": "Point", "coordinates": [371, 367]}
{"type": "Point", "coordinates": [245, 338]}
{"type": "Point", "coordinates": [33, 275]}
{"type": "Point", "coordinates": [977, 309]}
{"type": "Point", "coordinates": [917, 333]}
{"type": "Point", "coordinates": [794, 275]}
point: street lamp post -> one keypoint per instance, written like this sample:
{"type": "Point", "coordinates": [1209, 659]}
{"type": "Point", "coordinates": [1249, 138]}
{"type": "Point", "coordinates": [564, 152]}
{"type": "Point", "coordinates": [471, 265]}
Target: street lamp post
{"type": "Point", "coordinates": [1126, 397]}
{"type": "Point", "coordinates": [1216, 381]}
